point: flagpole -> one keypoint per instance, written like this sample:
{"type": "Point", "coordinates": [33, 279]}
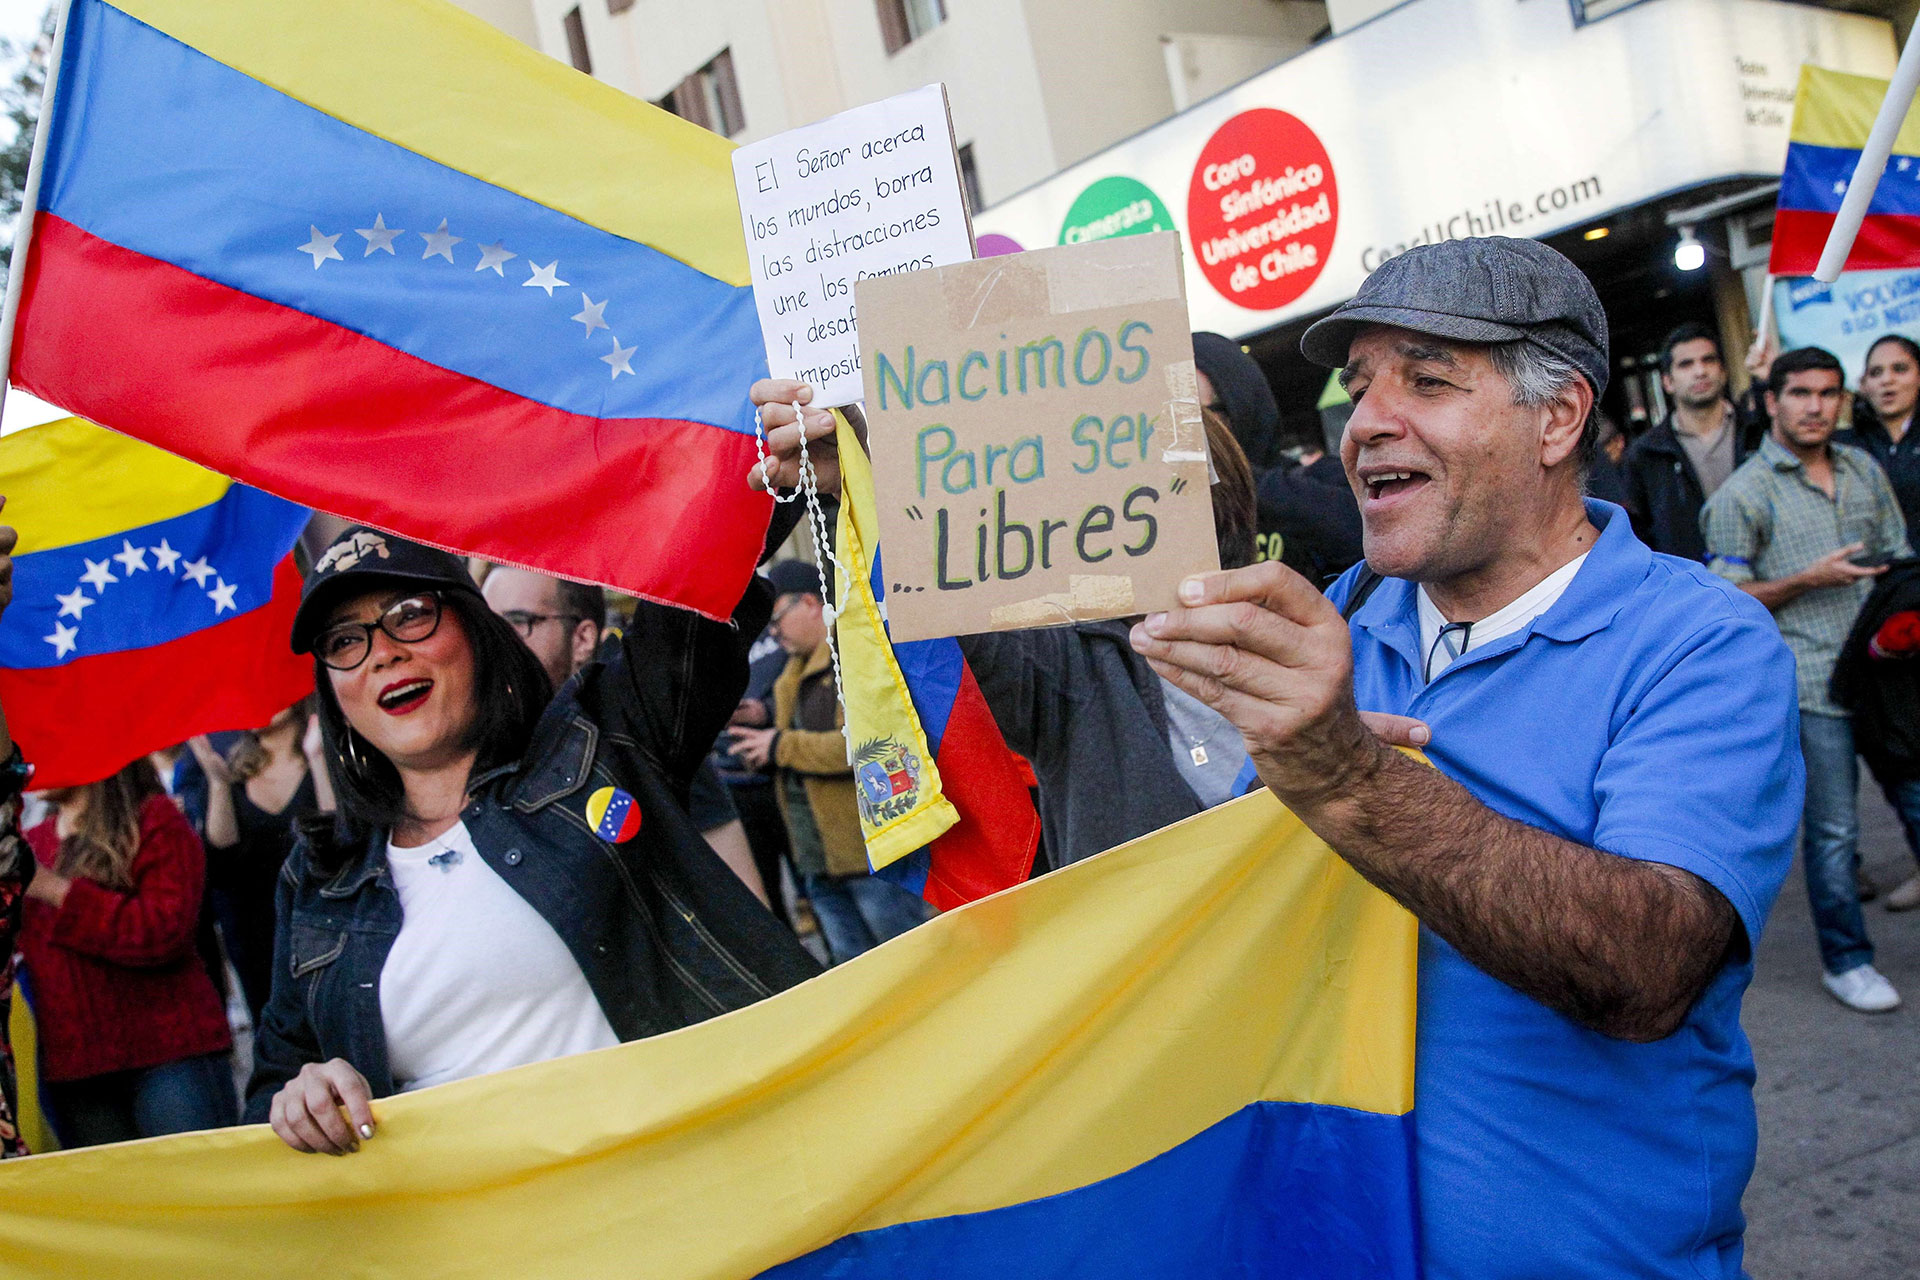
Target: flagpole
{"type": "Point", "coordinates": [1872, 163]}
{"type": "Point", "coordinates": [29, 204]}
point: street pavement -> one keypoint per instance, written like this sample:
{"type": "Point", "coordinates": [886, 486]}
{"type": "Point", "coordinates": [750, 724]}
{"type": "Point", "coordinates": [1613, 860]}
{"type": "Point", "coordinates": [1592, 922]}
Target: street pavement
{"type": "Point", "coordinates": [1836, 1194]}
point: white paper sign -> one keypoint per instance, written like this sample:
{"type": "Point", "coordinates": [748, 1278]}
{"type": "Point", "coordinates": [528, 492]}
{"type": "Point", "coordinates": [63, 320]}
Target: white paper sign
{"type": "Point", "coordinates": [874, 191]}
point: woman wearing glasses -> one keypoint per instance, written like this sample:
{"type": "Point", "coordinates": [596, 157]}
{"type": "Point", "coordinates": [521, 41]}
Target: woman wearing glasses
{"type": "Point", "coordinates": [511, 875]}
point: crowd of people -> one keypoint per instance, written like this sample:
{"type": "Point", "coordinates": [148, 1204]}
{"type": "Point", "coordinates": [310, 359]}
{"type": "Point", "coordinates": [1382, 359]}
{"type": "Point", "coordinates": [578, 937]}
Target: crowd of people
{"type": "Point", "coordinates": [518, 820]}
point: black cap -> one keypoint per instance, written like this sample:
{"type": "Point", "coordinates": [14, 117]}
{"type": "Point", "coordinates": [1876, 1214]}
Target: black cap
{"type": "Point", "coordinates": [360, 560]}
{"type": "Point", "coordinates": [1486, 289]}
{"type": "Point", "coordinates": [794, 577]}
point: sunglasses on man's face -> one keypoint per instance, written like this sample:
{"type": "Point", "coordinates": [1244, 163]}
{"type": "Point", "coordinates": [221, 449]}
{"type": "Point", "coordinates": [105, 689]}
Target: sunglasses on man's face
{"type": "Point", "coordinates": [346, 645]}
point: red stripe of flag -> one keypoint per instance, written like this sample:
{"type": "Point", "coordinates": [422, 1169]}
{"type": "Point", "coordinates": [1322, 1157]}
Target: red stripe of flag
{"type": "Point", "coordinates": [85, 720]}
{"type": "Point", "coordinates": [1885, 240]}
{"type": "Point", "coordinates": [992, 848]}
{"type": "Point", "coordinates": [335, 420]}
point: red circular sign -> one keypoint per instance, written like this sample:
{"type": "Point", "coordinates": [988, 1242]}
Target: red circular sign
{"type": "Point", "coordinates": [1262, 208]}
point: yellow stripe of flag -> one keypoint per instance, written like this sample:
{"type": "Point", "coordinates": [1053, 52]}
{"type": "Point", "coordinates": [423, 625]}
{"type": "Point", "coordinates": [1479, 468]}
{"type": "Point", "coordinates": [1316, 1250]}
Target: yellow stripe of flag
{"type": "Point", "coordinates": [129, 484]}
{"type": "Point", "coordinates": [1835, 109]}
{"type": "Point", "coordinates": [879, 705]}
{"type": "Point", "coordinates": [438, 81]}
{"type": "Point", "coordinates": [1030, 1043]}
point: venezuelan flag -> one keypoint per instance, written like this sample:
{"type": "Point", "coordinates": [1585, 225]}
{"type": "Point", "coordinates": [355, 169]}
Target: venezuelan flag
{"type": "Point", "coordinates": [944, 805]}
{"type": "Point", "coordinates": [381, 259]}
{"type": "Point", "coordinates": [151, 601]}
{"type": "Point", "coordinates": [1833, 112]}
{"type": "Point", "coordinates": [1191, 1056]}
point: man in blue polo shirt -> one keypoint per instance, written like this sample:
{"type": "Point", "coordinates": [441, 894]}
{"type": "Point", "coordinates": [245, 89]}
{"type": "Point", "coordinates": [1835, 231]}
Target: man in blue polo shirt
{"type": "Point", "coordinates": [1616, 775]}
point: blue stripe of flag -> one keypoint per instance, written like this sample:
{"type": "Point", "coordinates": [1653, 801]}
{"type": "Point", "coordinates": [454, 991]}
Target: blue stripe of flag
{"type": "Point", "coordinates": [931, 669]}
{"type": "Point", "coordinates": [162, 150]}
{"type": "Point", "coordinates": [148, 585]}
{"type": "Point", "coordinates": [1815, 179]}
{"type": "Point", "coordinates": [1276, 1189]}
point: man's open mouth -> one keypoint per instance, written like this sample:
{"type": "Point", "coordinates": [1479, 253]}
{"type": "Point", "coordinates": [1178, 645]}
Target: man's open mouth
{"type": "Point", "coordinates": [403, 696]}
{"type": "Point", "coordinates": [1382, 486]}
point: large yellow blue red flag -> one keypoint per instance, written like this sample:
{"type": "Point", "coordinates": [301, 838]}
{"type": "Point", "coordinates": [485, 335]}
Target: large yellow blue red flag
{"type": "Point", "coordinates": [152, 600]}
{"type": "Point", "coordinates": [379, 258]}
{"type": "Point", "coordinates": [1189, 1057]}
{"type": "Point", "coordinates": [1832, 114]}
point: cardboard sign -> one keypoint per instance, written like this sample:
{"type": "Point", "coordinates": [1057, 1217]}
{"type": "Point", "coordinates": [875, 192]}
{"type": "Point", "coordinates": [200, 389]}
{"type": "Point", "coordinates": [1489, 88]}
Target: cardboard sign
{"type": "Point", "coordinates": [1038, 453]}
{"type": "Point", "coordinates": [874, 191]}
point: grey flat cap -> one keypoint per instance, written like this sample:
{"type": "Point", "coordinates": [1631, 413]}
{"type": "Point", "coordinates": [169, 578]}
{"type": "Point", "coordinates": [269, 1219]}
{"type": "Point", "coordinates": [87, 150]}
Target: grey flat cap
{"type": "Point", "coordinates": [1487, 289]}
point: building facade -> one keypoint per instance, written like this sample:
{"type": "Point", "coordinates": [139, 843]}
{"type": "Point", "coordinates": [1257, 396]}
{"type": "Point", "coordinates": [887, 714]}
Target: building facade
{"type": "Point", "coordinates": [1035, 85]}
{"type": "Point", "coordinates": [1296, 145]}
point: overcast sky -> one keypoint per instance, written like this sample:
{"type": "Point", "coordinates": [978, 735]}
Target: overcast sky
{"type": "Point", "coordinates": [20, 19]}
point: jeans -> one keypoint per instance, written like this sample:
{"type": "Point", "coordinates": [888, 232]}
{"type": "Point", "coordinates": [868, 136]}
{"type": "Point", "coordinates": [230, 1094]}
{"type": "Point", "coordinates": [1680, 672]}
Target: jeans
{"type": "Point", "coordinates": [858, 913]}
{"type": "Point", "coordinates": [1905, 799]}
{"type": "Point", "coordinates": [1830, 841]}
{"type": "Point", "coordinates": [174, 1097]}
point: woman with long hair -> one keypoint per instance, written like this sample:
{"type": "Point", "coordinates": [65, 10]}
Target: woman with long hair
{"type": "Point", "coordinates": [133, 1035]}
{"type": "Point", "coordinates": [1883, 416]}
{"type": "Point", "coordinates": [269, 779]}
{"type": "Point", "coordinates": [510, 876]}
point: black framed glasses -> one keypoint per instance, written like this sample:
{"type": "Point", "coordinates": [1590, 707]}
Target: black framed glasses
{"type": "Point", "coordinates": [346, 645]}
{"type": "Point", "coordinates": [523, 622]}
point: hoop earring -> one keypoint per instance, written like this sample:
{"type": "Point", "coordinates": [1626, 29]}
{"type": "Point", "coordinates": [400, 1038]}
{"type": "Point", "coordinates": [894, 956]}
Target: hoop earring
{"type": "Point", "coordinates": [354, 762]}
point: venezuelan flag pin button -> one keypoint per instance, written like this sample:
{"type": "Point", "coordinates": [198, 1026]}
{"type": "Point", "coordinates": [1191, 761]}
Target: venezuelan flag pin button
{"type": "Point", "coordinates": [615, 815]}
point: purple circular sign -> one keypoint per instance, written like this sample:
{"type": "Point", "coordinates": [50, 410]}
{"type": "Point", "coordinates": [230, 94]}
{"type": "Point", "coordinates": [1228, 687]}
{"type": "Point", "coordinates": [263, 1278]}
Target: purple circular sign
{"type": "Point", "coordinates": [993, 244]}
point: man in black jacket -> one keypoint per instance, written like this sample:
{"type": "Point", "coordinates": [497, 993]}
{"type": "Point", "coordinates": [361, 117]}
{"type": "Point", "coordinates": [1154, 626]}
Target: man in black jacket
{"type": "Point", "coordinates": [1877, 680]}
{"type": "Point", "coordinates": [1672, 469]}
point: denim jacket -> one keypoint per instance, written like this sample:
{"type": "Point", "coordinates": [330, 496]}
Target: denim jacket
{"type": "Point", "coordinates": [664, 932]}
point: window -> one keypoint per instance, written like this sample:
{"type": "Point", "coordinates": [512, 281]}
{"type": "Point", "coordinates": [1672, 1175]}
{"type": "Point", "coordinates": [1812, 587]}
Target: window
{"type": "Point", "coordinates": [904, 21]}
{"type": "Point", "coordinates": [577, 41]}
{"type": "Point", "coordinates": [969, 180]}
{"type": "Point", "coordinates": [710, 97]}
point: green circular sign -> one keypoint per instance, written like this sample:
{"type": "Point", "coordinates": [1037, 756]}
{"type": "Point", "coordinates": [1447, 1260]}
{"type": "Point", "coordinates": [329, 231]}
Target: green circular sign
{"type": "Point", "coordinates": [1114, 207]}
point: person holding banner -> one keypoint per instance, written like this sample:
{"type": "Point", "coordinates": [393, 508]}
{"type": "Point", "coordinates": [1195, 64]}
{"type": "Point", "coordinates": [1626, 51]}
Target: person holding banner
{"type": "Point", "coordinates": [512, 875]}
{"type": "Point", "coordinates": [1588, 931]}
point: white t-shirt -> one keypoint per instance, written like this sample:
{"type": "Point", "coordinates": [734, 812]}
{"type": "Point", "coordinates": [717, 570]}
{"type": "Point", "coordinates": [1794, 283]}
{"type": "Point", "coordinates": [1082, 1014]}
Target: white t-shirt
{"type": "Point", "coordinates": [477, 981]}
{"type": "Point", "coordinates": [1439, 652]}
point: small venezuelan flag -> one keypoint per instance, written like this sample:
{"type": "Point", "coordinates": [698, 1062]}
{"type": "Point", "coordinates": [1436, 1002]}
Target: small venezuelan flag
{"type": "Point", "coordinates": [151, 601]}
{"type": "Point", "coordinates": [943, 800]}
{"type": "Point", "coordinates": [379, 258]}
{"type": "Point", "coordinates": [1832, 114]}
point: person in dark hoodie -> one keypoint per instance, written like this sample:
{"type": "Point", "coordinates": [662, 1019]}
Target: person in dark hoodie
{"type": "Point", "coordinates": [1232, 385]}
{"type": "Point", "coordinates": [1306, 516]}
{"type": "Point", "coordinates": [1675, 467]}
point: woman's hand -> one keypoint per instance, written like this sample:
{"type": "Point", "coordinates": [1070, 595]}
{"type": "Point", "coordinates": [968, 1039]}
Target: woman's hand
{"type": "Point", "coordinates": [49, 887]}
{"type": "Point", "coordinates": [306, 1111]}
{"type": "Point", "coordinates": [212, 763]}
{"type": "Point", "coordinates": [776, 399]}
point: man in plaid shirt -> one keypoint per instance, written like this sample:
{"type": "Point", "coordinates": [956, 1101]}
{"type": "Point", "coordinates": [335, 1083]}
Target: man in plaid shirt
{"type": "Point", "coordinates": [1805, 525]}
